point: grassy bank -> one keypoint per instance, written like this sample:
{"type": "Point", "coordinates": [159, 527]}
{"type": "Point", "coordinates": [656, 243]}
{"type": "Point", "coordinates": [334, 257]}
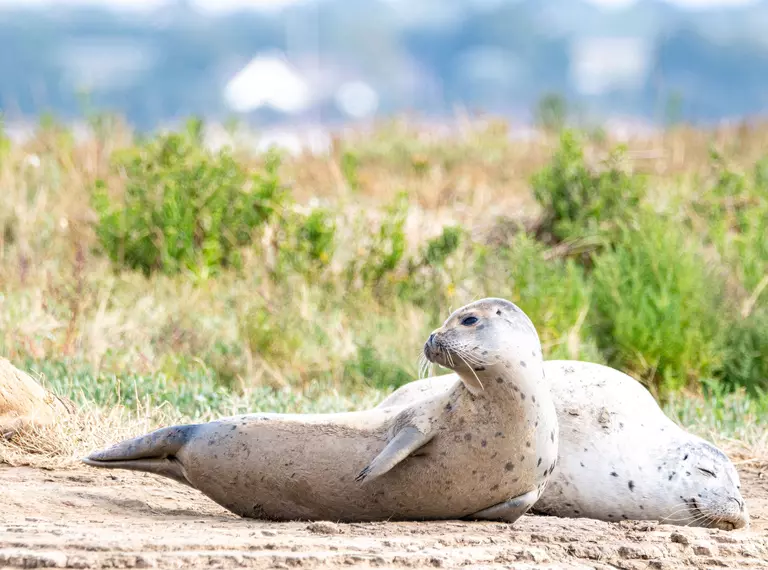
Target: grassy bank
{"type": "Point", "coordinates": [186, 283]}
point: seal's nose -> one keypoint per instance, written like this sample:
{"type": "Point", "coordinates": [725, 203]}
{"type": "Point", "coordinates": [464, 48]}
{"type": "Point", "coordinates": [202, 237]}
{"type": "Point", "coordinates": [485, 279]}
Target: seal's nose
{"type": "Point", "coordinates": [738, 502]}
{"type": "Point", "coordinates": [431, 339]}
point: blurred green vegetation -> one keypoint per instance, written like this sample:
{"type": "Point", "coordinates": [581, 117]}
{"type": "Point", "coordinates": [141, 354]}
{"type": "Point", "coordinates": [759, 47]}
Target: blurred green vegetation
{"type": "Point", "coordinates": [211, 287]}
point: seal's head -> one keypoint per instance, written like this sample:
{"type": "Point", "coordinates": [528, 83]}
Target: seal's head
{"type": "Point", "coordinates": [708, 487]}
{"type": "Point", "coordinates": [478, 338]}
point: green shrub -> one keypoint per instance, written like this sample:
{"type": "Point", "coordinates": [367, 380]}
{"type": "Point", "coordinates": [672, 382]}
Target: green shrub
{"type": "Point", "coordinates": [578, 201]}
{"type": "Point", "coordinates": [553, 292]}
{"type": "Point", "coordinates": [736, 210]}
{"type": "Point", "coordinates": [386, 249]}
{"type": "Point", "coordinates": [183, 207]}
{"type": "Point", "coordinates": [657, 305]}
{"type": "Point", "coordinates": [307, 243]}
{"type": "Point", "coordinates": [746, 351]}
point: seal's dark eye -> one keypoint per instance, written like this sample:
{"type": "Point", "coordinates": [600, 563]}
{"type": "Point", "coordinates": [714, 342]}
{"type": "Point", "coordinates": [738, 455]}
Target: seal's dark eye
{"type": "Point", "coordinates": [706, 471]}
{"type": "Point", "coordinates": [468, 321]}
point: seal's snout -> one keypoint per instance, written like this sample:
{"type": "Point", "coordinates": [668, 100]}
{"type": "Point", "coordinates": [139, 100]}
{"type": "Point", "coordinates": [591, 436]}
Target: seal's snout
{"type": "Point", "coordinates": [432, 348]}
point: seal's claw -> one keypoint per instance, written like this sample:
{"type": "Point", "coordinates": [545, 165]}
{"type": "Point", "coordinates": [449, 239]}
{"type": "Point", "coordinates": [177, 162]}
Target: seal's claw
{"type": "Point", "coordinates": [363, 474]}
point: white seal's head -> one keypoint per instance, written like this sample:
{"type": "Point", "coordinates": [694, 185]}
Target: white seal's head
{"type": "Point", "coordinates": [707, 487]}
{"type": "Point", "coordinates": [490, 337]}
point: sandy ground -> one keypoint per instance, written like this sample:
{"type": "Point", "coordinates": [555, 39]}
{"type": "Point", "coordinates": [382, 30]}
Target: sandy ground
{"type": "Point", "coordinates": [83, 518]}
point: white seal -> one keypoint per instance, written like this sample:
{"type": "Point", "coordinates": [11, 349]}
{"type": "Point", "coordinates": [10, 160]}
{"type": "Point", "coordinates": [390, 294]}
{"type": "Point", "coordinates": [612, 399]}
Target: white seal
{"type": "Point", "coordinates": [620, 456]}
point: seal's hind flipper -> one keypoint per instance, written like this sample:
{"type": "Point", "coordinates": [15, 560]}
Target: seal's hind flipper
{"type": "Point", "coordinates": [508, 511]}
{"type": "Point", "coordinates": [152, 453]}
{"type": "Point", "coordinates": [165, 467]}
{"type": "Point", "coordinates": [407, 440]}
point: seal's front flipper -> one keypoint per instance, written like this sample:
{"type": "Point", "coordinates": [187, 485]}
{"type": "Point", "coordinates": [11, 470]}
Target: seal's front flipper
{"type": "Point", "coordinates": [508, 511]}
{"type": "Point", "coordinates": [407, 440]}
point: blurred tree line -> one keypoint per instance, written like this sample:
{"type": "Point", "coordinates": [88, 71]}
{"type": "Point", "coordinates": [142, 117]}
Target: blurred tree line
{"type": "Point", "coordinates": [424, 56]}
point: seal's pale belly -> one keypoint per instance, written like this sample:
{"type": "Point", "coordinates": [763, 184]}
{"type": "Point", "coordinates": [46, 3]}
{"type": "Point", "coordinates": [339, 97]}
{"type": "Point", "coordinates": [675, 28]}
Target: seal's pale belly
{"type": "Point", "coordinates": [282, 471]}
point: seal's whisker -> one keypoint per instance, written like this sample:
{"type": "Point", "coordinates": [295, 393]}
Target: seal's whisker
{"type": "Point", "coordinates": [425, 368]}
{"type": "Point", "coordinates": [469, 358]}
{"type": "Point", "coordinates": [423, 365]}
{"type": "Point", "coordinates": [678, 509]}
{"type": "Point", "coordinates": [473, 372]}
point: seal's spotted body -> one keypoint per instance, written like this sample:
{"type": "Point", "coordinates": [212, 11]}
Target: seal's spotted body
{"type": "Point", "coordinates": [479, 449]}
{"type": "Point", "coordinates": [620, 457]}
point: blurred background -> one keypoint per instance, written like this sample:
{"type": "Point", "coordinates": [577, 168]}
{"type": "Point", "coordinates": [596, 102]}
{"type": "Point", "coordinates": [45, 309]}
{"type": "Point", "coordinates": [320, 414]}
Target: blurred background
{"type": "Point", "coordinates": [602, 164]}
{"type": "Point", "coordinates": [318, 63]}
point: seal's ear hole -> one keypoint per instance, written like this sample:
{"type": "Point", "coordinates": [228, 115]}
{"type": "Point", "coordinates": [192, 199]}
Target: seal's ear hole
{"type": "Point", "coordinates": [498, 312]}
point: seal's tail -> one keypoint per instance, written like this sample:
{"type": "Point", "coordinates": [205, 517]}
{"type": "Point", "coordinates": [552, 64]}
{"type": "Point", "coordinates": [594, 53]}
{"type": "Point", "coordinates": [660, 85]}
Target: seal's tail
{"type": "Point", "coordinates": [154, 453]}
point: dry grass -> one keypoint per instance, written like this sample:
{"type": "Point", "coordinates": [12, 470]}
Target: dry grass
{"type": "Point", "coordinates": [61, 303]}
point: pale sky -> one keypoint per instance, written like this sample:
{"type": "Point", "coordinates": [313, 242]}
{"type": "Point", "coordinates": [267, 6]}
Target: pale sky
{"type": "Point", "coordinates": [226, 5]}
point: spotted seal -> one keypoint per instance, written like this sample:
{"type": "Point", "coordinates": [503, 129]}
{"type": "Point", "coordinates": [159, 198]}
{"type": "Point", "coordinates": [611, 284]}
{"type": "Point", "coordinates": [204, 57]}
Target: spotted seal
{"type": "Point", "coordinates": [620, 457]}
{"type": "Point", "coordinates": [483, 448]}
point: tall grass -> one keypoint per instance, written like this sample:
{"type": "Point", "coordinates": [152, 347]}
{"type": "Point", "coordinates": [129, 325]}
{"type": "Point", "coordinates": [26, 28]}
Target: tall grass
{"type": "Point", "coordinates": [162, 274]}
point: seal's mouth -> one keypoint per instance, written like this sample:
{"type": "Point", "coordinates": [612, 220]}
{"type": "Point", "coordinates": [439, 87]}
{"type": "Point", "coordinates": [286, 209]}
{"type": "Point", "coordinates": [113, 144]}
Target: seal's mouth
{"type": "Point", "coordinates": [708, 521]}
{"type": "Point", "coordinates": [436, 353]}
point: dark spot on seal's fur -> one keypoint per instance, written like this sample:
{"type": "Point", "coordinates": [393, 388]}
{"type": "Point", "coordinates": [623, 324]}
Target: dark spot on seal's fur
{"type": "Point", "coordinates": [522, 458]}
{"type": "Point", "coordinates": [688, 473]}
{"type": "Point", "coordinates": [483, 443]}
{"type": "Point", "coordinates": [536, 423]}
{"type": "Point", "coordinates": [499, 434]}
{"type": "Point", "coordinates": [467, 437]}
{"type": "Point", "coordinates": [671, 475]}
{"type": "Point", "coordinates": [686, 457]}
{"type": "Point", "coordinates": [495, 488]}
{"type": "Point", "coordinates": [610, 516]}
{"type": "Point", "coordinates": [509, 466]}
{"type": "Point", "coordinates": [631, 485]}
{"type": "Point", "coordinates": [500, 380]}
{"type": "Point", "coordinates": [546, 472]}
{"type": "Point", "coordinates": [522, 395]}
{"type": "Point", "coordinates": [534, 399]}
{"type": "Point", "coordinates": [448, 407]}
{"type": "Point", "coordinates": [523, 364]}
{"type": "Point", "coordinates": [539, 463]}
{"type": "Point", "coordinates": [582, 463]}
{"type": "Point", "coordinates": [480, 327]}
{"type": "Point", "coordinates": [641, 507]}
{"type": "Point", "coordinates": [614, 474]}
{"type": "Point", "coordinates": [232, 428]}
{"type": "Point", "coordinates": [527, 444]}
{"type": "Point", "coordinates": [552, 436]}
